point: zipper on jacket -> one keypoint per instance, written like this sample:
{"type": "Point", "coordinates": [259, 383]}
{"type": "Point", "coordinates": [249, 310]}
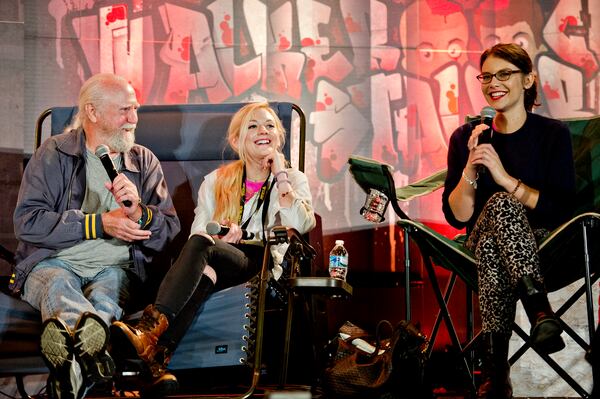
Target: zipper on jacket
{"type": "Point", "coordinates": [73, 176]}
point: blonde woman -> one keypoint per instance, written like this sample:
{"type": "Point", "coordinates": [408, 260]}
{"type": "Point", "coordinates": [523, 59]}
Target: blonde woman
{"type": "Point", "coordinates": [252, 194]}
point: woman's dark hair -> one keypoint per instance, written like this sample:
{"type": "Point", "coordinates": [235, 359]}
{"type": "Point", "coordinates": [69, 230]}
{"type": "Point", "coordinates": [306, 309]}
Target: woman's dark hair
{"type": "Point", "coordinates": [514, 54]}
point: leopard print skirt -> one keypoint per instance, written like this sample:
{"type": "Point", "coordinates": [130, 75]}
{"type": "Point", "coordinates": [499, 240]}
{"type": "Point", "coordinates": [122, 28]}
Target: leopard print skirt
{"type": "Point", "coordinates": [505, 247]}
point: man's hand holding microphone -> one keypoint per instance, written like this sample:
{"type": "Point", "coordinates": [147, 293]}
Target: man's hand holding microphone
{"type": "Point", "coordinates": [121, 223]}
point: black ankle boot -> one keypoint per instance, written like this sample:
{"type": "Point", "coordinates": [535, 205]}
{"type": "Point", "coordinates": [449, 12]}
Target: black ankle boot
{"type": "Point", "coordinates": [495, 369]}
{"type": "Point", "coordinates": [545, 328]}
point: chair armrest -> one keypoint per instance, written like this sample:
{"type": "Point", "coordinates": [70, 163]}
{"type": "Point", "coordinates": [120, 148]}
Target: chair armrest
{"type": "Point", "coordinates": [422, 187]}
{"type": "Point", "coordinates": [566, 250]}
{"type": "Point", "coordinates": [299, 254]}
{"type": "Point", "coordinates": [369, 173]}
{"type": "Point", "coordinates": [298, 245]}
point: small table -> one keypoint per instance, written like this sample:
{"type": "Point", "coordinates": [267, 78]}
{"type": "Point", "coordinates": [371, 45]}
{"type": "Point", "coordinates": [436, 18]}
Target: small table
{"type": "Point", "coordinates": [325, 286]}
{"type": "Point", "coordinates": [332, 287]}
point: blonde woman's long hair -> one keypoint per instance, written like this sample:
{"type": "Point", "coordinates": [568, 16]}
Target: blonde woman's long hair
{"type": "Point", "coordinates": [228, 187]}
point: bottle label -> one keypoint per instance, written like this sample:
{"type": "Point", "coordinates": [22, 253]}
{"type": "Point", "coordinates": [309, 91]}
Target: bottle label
{"type": "Point", "coordinates": [338, 266]}
{"type": "Point", "coordinates": [338, 261]}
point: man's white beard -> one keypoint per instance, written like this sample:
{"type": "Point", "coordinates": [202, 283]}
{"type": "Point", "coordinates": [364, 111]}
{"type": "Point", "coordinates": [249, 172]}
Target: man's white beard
{"type": "Point", "coordinates": [121, 140]}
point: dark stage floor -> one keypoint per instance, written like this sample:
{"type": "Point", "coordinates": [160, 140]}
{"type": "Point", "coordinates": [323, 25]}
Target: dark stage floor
{"type": "Point", "coordinates": [269, 391]}
{"type": "Point", "coordinates": [443, 379]}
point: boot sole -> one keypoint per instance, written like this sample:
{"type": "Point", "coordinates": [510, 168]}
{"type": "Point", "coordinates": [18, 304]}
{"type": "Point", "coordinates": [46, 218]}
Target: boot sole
{"type": "Point", "coordinates": [546, 338]}
{"type": "Point", "coordinates": [56, 346]}
{"type": "Point", "coordinates": [90, 341]}
{"type": "Point", "coordinates": [160, 389]}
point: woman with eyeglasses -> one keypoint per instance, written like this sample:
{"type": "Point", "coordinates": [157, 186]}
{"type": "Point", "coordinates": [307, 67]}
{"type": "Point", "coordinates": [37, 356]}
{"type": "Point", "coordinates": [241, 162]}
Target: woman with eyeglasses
{"type": "Point", "coordinates": [509, 193]}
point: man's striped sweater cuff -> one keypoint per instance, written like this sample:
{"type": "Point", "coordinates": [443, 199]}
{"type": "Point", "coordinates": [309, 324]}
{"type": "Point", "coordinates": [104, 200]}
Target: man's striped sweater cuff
{"type": "Point", "coordinates": [146, 217]}
{"type": "Point", "coordinates": [92, 226]}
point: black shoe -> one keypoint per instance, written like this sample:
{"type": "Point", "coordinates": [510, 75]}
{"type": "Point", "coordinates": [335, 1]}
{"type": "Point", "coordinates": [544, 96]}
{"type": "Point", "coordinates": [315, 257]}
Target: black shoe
{"type": "Point", "coordinates": [90, 340]}
{"type": "Point", "coordinates": [545, 335]}
{"type": "Point", "coordinates": [495, 369]}
{"type": "Point", "coordinates": [56, 344]}
{"type": "Point", "coordinates": [545, 328]}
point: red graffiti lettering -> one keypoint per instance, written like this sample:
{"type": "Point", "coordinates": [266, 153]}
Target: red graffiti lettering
{"type": "Point", "coordinates": [550, 93]}
{"type": "Point", "coordinates": [226, 31]}
{"type": "Point", "coordinates": [565, 22]}
{"type": "Point", "coordinates": [184, 50]}
{"type": "Point", "coordinates": [443, 7]}
{"type": "Point", "coordinates": [284, 43]}
{"type": "Point", "coordinates": [307, 42]}
{"type": "Point", "coordinates": [118, 12]}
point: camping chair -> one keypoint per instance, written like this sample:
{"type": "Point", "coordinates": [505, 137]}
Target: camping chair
{"type": "Point", "coordinates": [574, 243]}
{"type": "Point", "coordinates": [189, 140]}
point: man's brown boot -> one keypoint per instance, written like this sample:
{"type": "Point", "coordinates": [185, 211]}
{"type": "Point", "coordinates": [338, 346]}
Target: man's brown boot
{"type": "Point", "coordinates": [143, 337]}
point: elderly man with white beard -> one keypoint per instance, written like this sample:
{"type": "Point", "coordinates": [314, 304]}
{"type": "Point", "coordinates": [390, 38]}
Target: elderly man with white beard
{"type": "Point", "coordinates": [84, 240]}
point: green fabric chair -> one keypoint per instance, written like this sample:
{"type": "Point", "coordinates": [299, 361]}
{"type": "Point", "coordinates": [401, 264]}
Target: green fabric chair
{"type": "Point", "coordinates": [568, 254]}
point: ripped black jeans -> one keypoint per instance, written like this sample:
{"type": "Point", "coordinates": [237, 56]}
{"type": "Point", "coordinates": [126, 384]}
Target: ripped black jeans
{"type": "Point", "coordinates": [185, 288]}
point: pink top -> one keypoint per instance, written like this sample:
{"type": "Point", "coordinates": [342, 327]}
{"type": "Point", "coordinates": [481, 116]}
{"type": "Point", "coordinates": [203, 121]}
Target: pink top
{"type": "Point", "coordinates": [252, 187]}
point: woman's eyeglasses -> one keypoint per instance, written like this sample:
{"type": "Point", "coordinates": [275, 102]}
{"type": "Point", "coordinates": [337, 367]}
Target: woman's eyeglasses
{"type": "Point", "coordinates": [502, 75]}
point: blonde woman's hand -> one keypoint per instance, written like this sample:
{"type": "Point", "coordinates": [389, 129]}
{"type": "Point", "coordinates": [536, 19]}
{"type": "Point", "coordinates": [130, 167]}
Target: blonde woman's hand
{"type": "Point", "coordinates": [234, 235]}
{"type": "Point", "coordinates": [275, 161]}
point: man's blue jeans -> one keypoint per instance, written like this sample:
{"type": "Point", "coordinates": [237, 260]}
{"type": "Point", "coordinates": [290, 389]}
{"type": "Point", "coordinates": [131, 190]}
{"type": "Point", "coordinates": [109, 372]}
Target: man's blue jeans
{"type": "Point", "coordinates": [56, 291]}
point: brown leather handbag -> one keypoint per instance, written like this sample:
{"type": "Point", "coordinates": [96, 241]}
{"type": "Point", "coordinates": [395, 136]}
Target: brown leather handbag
{"type": "Point", "coordinates": [357, 373]}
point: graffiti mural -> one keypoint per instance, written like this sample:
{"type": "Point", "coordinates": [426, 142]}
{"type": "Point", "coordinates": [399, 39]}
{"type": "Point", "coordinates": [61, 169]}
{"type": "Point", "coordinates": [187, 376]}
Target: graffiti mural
{"type": "Point", "coordinates": [388, 79]}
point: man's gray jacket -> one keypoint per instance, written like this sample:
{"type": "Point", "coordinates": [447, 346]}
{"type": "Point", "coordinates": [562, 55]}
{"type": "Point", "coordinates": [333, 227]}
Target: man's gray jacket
{"type": "Point", "coordinates": [48, 216]}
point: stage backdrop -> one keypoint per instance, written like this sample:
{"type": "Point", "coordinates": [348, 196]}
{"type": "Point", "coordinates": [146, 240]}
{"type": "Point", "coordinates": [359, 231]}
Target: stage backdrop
{"type": "Point", "coordinates": [384, 79]}
{"type": "Point", "coordinates": [387, 79]}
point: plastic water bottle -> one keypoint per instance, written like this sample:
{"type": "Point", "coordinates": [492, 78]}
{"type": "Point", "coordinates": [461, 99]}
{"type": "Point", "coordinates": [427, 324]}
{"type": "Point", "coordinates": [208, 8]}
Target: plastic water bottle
{"type": "Point", "coordinates": [338, 261]}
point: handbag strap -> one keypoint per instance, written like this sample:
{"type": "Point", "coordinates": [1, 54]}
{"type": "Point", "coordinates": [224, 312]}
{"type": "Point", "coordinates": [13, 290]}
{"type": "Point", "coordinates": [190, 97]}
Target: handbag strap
{"type": "Point", "coordinates": [378, 335]}
{"type": "Point", "coordinates": [379, 330]}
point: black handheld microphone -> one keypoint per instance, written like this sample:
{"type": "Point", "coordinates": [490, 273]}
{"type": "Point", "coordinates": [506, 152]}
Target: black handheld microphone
{"type": "Point", "coordinates": [102, 152]}
{"type": "Point", "coordinates": [215, 229]}
{"type": "Point", "coordinates": [487, 117]}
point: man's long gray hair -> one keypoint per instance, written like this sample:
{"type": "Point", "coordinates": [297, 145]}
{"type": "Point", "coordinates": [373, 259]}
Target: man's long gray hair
{"type": "Point", "coordinates": [95, 91]}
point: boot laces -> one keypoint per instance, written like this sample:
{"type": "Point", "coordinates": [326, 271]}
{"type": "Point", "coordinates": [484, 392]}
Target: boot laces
{"type": "Point", "coordinates": [149, 321]}
{"type": "Point", "coordinates": [160, 361]}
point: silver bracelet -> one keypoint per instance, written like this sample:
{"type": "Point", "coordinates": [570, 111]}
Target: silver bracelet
{"type": "Point", "coordinates": [281, 172]}
{"type": "Point", "coordinates": [468, 180]}
{"type": "Point", "coordinates": [283, 181]}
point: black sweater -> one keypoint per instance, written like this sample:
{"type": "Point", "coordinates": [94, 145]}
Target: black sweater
{"type": "Point", "coordinates": [539, 153]}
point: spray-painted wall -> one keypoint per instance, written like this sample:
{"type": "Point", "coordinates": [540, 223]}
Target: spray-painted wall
{"type": "Point", "coordinates": [384, 79]}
